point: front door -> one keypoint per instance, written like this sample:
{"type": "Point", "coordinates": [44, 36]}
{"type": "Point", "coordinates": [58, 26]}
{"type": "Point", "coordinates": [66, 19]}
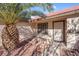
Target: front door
{"type": "Point", "coordinates": [58, 36]}
{"type": "Point", "coordinates": [59, 31]}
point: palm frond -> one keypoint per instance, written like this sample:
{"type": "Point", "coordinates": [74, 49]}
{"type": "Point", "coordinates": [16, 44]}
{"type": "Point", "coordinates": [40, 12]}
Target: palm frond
{"type": "Point", "coordinates": [10, 12]}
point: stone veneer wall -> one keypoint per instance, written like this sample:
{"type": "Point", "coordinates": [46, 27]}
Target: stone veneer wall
{"type": "Point", "coordinates": [73, 32]}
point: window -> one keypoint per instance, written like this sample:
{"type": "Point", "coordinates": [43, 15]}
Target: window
{"type": "Point", "coordinates": [42, 28]}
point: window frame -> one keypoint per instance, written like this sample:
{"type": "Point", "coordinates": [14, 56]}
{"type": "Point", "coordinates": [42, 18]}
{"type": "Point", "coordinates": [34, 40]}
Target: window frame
{"type": "Point", "coordinates": [43, 27]}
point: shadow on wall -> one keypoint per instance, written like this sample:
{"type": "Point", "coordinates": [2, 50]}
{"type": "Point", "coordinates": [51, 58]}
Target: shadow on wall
{"type": "Point", "coordinates": [73, 51]}
{"type": "Point", "coordinates": [25, 32]}
{"type": "Point", "coordinates": [76, 46]}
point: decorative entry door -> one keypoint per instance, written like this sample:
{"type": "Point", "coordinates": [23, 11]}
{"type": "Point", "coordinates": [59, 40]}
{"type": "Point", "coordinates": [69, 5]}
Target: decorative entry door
{"type": "Point", "coordinates": [58, 36]}
{"type": "Point", "coordinates": [59, 31]}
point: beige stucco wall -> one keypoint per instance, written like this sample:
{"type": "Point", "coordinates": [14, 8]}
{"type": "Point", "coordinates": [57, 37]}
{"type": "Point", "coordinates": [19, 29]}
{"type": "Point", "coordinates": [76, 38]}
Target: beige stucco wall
{"type": "Point", "coordinates": [34, 27]}
{"type": "Point", "coordinates": [50, 30]}
{"type": "Point", "coordinates": [25, 30]}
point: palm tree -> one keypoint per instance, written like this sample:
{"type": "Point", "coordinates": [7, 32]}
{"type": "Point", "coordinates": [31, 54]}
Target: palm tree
{"type": "Point", "coordinates": [10, 14]}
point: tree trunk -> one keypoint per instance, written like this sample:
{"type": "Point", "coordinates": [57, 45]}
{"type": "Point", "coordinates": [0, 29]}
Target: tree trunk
{"type": "Point", "coordinates": [10, 37]}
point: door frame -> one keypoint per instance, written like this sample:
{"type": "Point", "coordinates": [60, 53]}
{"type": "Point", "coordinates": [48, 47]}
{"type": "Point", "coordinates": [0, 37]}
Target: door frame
{"type": "Point", "coordinates": [64, 28]}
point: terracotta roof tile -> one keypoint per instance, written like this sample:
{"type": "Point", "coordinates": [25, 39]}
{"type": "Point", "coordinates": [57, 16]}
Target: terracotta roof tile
{"type": "Point", "coordinates": [63, 11]}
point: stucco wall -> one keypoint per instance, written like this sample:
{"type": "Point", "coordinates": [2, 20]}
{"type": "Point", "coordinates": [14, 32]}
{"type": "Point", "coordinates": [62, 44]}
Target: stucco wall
{"type": "Point", "coordinates": [25, 31]}
{"type": "Point", "coordinates": [50, 30]}
{"type": "Point", "coordinates": [34, 27]}
{"type": "Point", "coordinates": [73, 32]}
